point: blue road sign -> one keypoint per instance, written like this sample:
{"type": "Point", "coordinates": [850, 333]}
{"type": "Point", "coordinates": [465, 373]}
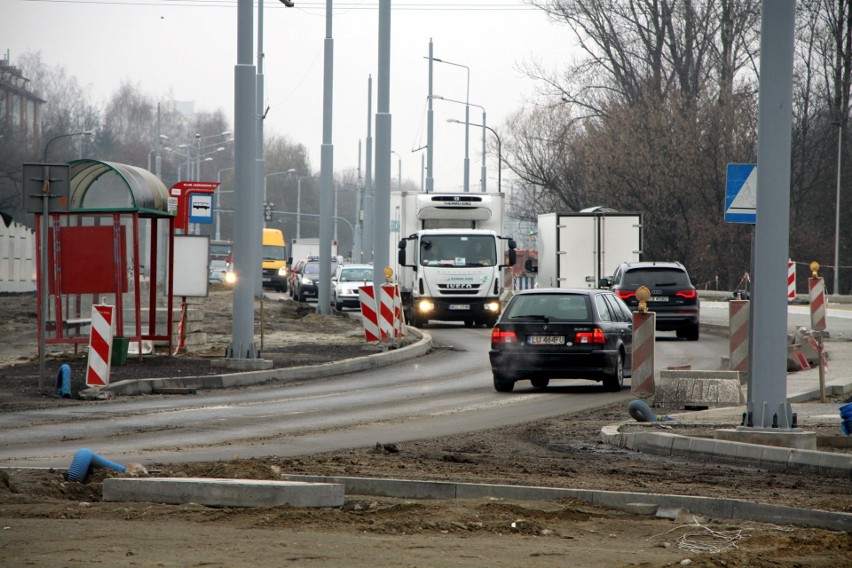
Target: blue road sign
{"type": "Point", "coordinates": [741, 193]}
{"type": "Point", "coordinates": [200, 208]}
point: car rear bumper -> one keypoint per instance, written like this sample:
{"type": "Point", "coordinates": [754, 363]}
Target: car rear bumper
{"type": "Point", "coordinates": [590, 365]}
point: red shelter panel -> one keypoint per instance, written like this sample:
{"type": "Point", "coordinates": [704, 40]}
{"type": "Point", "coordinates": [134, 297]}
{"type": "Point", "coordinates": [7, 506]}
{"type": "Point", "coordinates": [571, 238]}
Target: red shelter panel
{"type": "Point", "coordinates": [90, 260]}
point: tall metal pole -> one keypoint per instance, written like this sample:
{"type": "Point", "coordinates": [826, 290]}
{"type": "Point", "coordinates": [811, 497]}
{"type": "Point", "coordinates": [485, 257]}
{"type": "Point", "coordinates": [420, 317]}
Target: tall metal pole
{"type": "Point", "coordinates": [383, 148]}
{"type": "Point", "coordinates": [158, 161]}
{"type": "Point", "coordinates": [245, 204]}
{"type": "Point", "coordinates": [326, 170]}
{"type": "Point", "coordinates": [259, 164]}
{"type": "Point", "coordinates": [768, 404]}
{"type": "Point", "coordinates": [218, 233]}
{"type": "Point", "coordinates": [837, 213]}
{"type": "Point", "coordinates": [430, 129]}
{"type": "Point", "coordinates": [369, 201]}
{"type": "Point", "coordinates": [299, 209]}
{"type": "Point", "coordinates": [357, 254]}
{"type": "Point", "coordinates": [483, 172]}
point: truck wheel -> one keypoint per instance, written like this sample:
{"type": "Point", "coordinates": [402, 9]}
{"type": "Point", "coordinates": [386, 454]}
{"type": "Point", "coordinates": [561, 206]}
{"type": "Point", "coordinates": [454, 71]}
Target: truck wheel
{"type": "Point", "coordinates": [413, 319]}
{"type": "Point", "coordinates": [503, 383]}
{"type": "Point", "coordinates": [613, 382]}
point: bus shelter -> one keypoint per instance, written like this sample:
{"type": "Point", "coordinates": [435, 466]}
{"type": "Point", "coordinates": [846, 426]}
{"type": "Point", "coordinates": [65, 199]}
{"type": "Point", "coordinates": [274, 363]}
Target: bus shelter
{"type": "Point", "coordinates": [113, 245]}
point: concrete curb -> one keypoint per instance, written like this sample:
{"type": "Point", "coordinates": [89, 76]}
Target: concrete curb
{"type": "Point", "coordinates": [625, 501]}
{"type": "Point", "coordinates": [225, 380]}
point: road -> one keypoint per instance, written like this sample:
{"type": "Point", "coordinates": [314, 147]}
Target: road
{"type": "Point", "coordinates": [446, 392]}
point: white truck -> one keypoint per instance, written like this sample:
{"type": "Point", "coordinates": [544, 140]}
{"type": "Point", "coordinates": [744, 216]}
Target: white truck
{"type": "Point", "coordinates": [577, 250]}
{"type": "Point", "coordinates": [301, 249]}
{"type": "Point", "coordinates": [450, 255]}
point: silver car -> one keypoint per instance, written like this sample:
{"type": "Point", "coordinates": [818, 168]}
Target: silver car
{"type": "Point", "coordinates": [345, 283]}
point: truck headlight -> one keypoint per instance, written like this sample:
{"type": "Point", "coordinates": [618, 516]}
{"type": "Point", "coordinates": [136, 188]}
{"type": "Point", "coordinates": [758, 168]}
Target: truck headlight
{"type": "Point", "coordinates": [425, 306]}
{"type": "Point", "coordinates": [283, 272]}
{"type": "Point", "coordinates": [492, 307]}
{"type": "Point", "coordinates": [230, 277]}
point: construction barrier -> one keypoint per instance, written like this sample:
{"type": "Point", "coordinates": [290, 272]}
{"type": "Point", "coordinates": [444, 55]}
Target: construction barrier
{"type": "Point", "coordinates": [386, 311]}
{"type": "Point", "coordinates": [523, 282]}
{"type": "Point", "coordinates": [100, 346]}
{"type": "Point", "coordinates": [816, 289]}
{"type": "Point", "coordinates": [369, 314]}
{"type": "Point", "coordinates": [791, 280]}
{"type": "Point", "coordinates": [738, 316]}
{"type": "Point", "coordinates": [644, 336]}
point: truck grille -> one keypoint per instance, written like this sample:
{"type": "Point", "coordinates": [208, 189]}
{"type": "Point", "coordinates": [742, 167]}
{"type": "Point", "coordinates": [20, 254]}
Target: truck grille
{"type": "Point", "coordinates": [455, 290]}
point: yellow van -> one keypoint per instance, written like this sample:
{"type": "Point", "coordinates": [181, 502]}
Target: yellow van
{"type": "Point", "coordinates": [274, 260]}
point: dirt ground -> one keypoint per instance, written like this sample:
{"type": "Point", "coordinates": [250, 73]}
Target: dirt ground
{"type": "Point", "coordinates": [48, 521]}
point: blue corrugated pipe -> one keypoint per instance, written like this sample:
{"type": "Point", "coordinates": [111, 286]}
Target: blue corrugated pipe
{"type": "Point", "coordinates": [83, 460]}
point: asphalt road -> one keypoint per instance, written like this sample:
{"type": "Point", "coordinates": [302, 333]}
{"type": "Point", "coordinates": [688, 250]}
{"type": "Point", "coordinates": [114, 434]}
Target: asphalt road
{"type": "Point", "coordinates": [446, 392]}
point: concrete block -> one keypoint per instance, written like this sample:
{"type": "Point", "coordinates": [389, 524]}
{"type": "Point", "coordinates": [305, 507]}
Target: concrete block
{"type": "Point", "coordinates": [655, 443]}
{"type": "Point", "coordinates": [778, 438]}
{"type": "Point", "coordinates": [836, 462]}
{"type": "Point", "coordinates": [702, 446]}
{"type": "Point", "coordinates": [223, 492]}
{"type": "Point", "coordinates": [712, 389]}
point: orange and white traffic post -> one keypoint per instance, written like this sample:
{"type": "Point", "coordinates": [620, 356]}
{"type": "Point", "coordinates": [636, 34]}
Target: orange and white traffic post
{"type": "Point", "coordinates": [100, 346]}
{"type": "Point", "coordinates": [791, 280]}
{"type": "Point", "coordinates": [644, 336]}
{"type": "Point", "coordinates": [738, 329]}
{"type": "Point", "coordinates": [816, 290]}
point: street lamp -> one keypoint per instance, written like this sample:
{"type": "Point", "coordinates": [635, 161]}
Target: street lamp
{"type": "Point", "coordinates": [499, 152]}
{"type": "Point", "coordinates": [289, 172]}
{"type": "Point", "coordinates": [399, 169]}
{"type": "Point", "coordinates": [837, 214]}
{"type": "Point", "coordinates": [483, 172]}
{"type": "Point", "coordinates": [466, 122]}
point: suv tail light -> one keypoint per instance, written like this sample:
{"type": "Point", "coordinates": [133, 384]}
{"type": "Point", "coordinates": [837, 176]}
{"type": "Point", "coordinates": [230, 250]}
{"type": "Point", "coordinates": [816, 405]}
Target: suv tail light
{"type": "Point", "coordinates": [596, 336]}
{"type": "Point", "coordinates": [625, 294]}
{"type": "Point", "coordinates": [688, 294]}
{"type": "Point", "coordinates": [499, 336]}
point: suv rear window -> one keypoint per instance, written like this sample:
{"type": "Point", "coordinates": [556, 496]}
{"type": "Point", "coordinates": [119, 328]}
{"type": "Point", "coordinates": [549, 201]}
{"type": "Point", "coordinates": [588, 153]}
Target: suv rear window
{"type": "Point", "coordinates": [656, 277]}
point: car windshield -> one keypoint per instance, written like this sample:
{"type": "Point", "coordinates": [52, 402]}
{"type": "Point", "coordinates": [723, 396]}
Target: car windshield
{"type": "Point", "coordinates": [356, 275]}
{"type": "Point", "coordinates": [568, 307]}
{"type": "Point", "coordinates": [313, 267]}
{"type": "Point", "coordinates": [656, 277]}
{"type": "Point", "coordinates": [458, 250]}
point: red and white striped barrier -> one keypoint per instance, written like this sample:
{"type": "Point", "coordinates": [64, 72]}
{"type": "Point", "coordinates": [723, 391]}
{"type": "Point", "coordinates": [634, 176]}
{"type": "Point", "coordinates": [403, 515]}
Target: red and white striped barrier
{"type": "Point", "coordinates": [644, 335]}
{"type": "Point", "coordinates": [386, 312]}
{"type": "Point", "coordinates": [738, 340]}
{"type": "Point", "coordinates": [369, 315]}
{"type": "Point", "coordinates": [100, 346]}
{"type": "Point", "coordinates": [791, 280]}
{"type": "Point", "coordinates": [816, 290]}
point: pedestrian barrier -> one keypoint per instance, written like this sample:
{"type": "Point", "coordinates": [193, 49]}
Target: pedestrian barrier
{"type": "Point", "coordinates": [523, 282]}
{"type": "Point", "coordinates": [644, 336]}
{"type": "Point", "coordinates": [738, 317]}
{"type": "Point", "coordinates": [100, 346]}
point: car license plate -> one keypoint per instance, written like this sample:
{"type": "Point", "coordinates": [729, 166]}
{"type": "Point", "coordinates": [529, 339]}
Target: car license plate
{"type": "Point", "coordinates": [267, 279]}
{"type": "Point", "coordinates": [546, 340]}
{"type": "Point", "coordinates": [459, 306]}
{"type": "Point", "coordinates": [659, 299]}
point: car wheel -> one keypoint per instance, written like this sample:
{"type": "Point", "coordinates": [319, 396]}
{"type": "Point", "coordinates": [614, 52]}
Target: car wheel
{"type": "Point", "coordinates": [613, 382]}
{"type": "Point", "coordinates": [338, 306]}
{"type": "Point", "coordinates": [692, 333]}
{"type": "Point", "coordinates": [540, 383]}
{"type": "Point", "coordinates": [297, 296]}
{"type": "Point", "coordinates": [503, 383]}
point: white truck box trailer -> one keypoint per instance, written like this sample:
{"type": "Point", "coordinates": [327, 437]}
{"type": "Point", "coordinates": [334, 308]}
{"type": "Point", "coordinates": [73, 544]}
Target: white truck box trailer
{"type": "Point", "coordinates": [576, 250]}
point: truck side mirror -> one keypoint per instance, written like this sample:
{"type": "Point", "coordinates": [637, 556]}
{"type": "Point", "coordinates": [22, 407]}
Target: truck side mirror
{"type": "Point", "coordinates": [401, 253]}
{"type": "Point", "coordinates": [529, 266]}
{"type": "Point", "coordinates": [513, 255]}
{"type": "Point", "coordinates": [512, 245]}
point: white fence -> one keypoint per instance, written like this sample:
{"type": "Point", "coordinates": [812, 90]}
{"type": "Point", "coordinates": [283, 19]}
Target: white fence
{"type": "Point", "coordinates": [17, 258]}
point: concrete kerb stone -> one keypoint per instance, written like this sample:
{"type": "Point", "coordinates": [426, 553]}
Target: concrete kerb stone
{"type": "Point", "coordinates": [626, 501]}
{"type": "Point", "coordinates": [376, 360]}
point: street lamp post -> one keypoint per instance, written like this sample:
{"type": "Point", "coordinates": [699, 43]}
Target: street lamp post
{"type": "Point", "coordinates": [43, 285]}
{"type": "Point", "coordinates": [483, 172]}
{"type": "Point", "coordinates": [466, 122]}
{"type": "Point", "coordinates": [218, 202]}
{"type": "Point", "coordinates": [399, 171]}
{"type": "Point", "coordinates": [837, 214]}
{"type": "Point", "coordinates": [499, 152]}
{"type": "Point", "coordinates": [289, 172]}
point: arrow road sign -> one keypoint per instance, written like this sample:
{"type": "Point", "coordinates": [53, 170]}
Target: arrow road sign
{"type": "Point", "coordinates": [741, 194]}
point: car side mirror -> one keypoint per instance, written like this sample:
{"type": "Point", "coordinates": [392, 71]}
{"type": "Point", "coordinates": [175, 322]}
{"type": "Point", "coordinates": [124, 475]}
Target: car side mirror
{"type": "Point", "coordinates": [605, 282]}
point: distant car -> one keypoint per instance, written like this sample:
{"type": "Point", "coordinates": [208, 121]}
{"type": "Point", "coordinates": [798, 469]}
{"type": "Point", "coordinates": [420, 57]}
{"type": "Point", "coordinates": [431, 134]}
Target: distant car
{"type": "Point", "coordinates": [305, 279]}
{"type": "Point", "coordinates": [673, 295]}
{"type": "Point", "coordinates": [553, 333]}
{"type": "Point", "coordinates": [345, 283]}
{"type": "Point", "coordinates": [221, 272]}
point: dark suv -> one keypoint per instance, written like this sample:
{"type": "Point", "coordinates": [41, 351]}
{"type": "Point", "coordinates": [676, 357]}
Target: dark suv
{"type": "Point", "coordinates": [673, 295]}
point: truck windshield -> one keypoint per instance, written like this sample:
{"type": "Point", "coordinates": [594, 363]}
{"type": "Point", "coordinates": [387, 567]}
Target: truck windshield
{"type": "Point", "coordinates": [458, 250]}
{"type": "Point", "coordinates": [273, 252]}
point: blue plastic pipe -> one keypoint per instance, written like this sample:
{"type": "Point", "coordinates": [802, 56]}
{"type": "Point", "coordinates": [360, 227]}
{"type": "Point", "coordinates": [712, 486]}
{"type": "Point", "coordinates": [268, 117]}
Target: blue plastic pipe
{"type": "Point", "coordinates": [85, 459]}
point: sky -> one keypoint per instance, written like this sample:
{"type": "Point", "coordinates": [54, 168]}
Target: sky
{"type": "Point", "coordinates": [187, 50]}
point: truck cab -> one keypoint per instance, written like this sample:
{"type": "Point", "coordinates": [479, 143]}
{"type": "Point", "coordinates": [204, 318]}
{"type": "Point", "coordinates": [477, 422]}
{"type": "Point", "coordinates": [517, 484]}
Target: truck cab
{"type": "Point", "coordinates": [274, 260]}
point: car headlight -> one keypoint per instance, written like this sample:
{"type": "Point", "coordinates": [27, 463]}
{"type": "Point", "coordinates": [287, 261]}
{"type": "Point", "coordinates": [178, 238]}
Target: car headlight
{"type": "Point", "coordinates": [230, 277]}
{"type": "Point", "coordinates": [307, 281]}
